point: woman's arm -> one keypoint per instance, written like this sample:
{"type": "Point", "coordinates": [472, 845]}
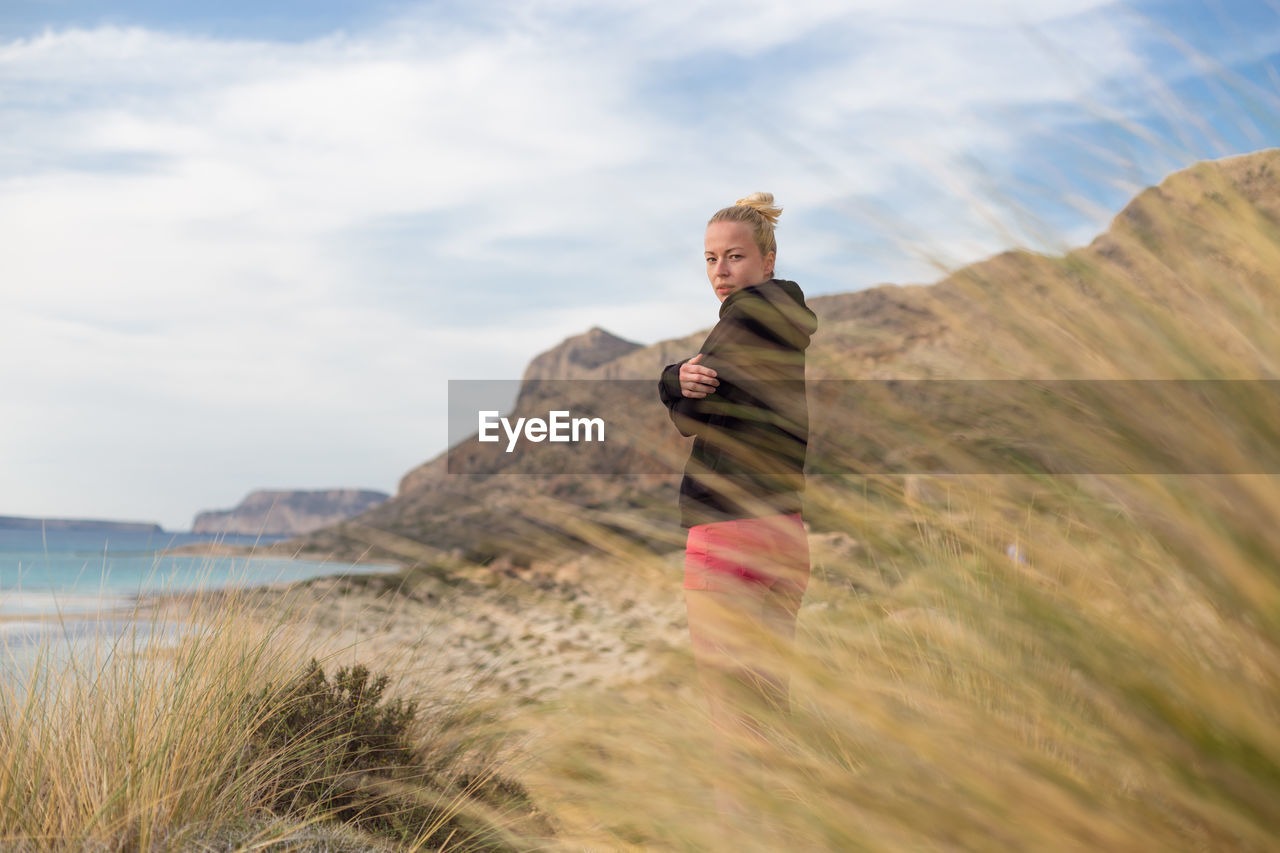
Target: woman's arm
{"type": "Point", "coordinates": [681, 387]}
{"type": "Point", "coordinates": [746, 371]}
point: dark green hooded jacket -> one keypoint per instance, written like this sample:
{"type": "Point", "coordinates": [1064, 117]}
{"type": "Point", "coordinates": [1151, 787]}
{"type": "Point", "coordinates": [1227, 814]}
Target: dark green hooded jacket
{"type": "Point", "coordinates": [752, 433]}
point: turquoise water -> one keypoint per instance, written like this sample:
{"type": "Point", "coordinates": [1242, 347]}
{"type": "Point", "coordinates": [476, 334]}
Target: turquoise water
{"type": "Point", "coordinates": [74, 572]}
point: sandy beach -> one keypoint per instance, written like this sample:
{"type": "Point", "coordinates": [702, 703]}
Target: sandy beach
{"type": "Point", "coordinates": [520, 634]}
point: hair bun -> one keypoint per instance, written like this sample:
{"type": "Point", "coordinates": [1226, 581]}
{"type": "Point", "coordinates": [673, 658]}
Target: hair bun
{"type": "Point", "coordinates": [758, 213]}
{"type": "Point", "coordinates": [762, 203]}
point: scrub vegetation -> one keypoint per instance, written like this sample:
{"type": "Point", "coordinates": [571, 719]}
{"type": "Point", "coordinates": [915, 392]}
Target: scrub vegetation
{"type": "Point", "coordinates": [225, 738]}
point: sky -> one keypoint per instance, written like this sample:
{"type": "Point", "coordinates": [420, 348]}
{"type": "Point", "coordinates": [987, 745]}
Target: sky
{"type": "Point", "coordinates": [246, 244]}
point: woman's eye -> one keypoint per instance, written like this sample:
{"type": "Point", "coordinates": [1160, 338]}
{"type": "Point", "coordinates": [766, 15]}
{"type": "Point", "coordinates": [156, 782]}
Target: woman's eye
{"type": "Point", "coordinates": [735, 257]}
{"type": "Point", "coordinates": [711, 260]}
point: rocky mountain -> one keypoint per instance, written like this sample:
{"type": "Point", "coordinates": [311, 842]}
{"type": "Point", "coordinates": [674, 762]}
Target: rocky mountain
{"type": "Point", "coordinates": [287, 513]}
{"type": "Point", "coordinates": [1204, 238]}
{"type": "Point", "coordinates": [578, 356]}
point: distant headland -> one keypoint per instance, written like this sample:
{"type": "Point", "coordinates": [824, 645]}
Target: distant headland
{"type": "Point", "coordinates": [13, 522]}
{"type": "Point", "coordinates": [287, 512]}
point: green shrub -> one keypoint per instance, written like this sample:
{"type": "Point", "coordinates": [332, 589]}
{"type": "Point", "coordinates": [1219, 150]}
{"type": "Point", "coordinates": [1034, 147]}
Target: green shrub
{"type": "Point", "coordinates": [327, 730]}
{"type": "Point", "coordinates": [343, 752]}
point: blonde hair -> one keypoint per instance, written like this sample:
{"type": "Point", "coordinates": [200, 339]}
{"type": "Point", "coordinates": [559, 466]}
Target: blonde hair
{"type": "Point", "coordinates": [758, 212]}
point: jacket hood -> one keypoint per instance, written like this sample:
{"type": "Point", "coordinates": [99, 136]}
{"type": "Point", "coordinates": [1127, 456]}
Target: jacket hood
{"type": "Point", "coordinates": [778, 304]}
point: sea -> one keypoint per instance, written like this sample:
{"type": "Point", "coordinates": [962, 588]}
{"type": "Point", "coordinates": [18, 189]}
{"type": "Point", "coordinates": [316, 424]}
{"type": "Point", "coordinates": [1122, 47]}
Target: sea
{"type": "Point", "coordinates": [78, 573]}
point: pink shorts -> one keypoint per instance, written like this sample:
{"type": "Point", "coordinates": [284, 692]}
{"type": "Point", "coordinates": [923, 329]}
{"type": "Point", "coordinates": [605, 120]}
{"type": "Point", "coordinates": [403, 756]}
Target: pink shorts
{"type": "Point", "coordinates": [763, 553]}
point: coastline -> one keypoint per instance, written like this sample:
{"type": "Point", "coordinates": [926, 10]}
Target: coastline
{"type": "Point", "coordinates": [525, 634]}
{"type": "Point", "coordinates": [522, 635]}
{"type": "Point", "coordinates": [213, 548]}
{"type": "Point", "coordinates": [58, 616]}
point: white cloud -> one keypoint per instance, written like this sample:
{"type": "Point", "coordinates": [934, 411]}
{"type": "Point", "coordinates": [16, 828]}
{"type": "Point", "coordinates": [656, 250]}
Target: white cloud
{"type": "Point", "coordinates": [257, 261]}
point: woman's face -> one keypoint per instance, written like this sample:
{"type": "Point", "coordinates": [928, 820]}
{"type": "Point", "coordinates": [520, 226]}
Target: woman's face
{"type": "Point", "coordinates": [733, 258]}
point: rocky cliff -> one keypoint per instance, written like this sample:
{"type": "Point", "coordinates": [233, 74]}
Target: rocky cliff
{"type": "Point", "coordinates": [288, 513]}
{"type": "Point", "coordinates": [578, 356]}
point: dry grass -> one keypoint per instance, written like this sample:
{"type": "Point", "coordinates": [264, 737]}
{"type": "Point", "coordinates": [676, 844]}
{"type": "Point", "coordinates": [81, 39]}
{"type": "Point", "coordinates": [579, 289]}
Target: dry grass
{"type": "Point", "coordinates": [120, 743]}
{"type": "Point", "coordinates": [150, 742]}
{"type": "Point", "coordinates": [1112, 683]}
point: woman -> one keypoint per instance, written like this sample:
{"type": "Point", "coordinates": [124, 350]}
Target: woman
{"type": "Point", "coordinates": [742, 397]}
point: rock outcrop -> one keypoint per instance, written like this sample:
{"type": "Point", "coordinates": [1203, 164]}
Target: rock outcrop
{"type": "Point", "coordinates": [288, 513]}
{"type": "Point", "coordinates": [578, 356]}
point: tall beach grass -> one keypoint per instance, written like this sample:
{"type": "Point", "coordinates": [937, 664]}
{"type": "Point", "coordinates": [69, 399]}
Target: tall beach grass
{"type": "Point", "coordinates": [1019, 662]}
{"type": "Point", "coordinates": [243, 727]}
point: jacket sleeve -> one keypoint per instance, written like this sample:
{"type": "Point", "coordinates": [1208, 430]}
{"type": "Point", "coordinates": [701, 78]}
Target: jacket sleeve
{"type": "Point", "coordinates": [749, 354]}
{"type": "Point", "coordinates": [761, 373]}
{"type": "Point", "coordinates": [728, 350]}
{"type": "Point", "coordinates": [684, 411]}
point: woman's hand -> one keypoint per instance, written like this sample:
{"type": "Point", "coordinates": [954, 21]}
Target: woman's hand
{"type": "Point", "coordinates": [697, 381]}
